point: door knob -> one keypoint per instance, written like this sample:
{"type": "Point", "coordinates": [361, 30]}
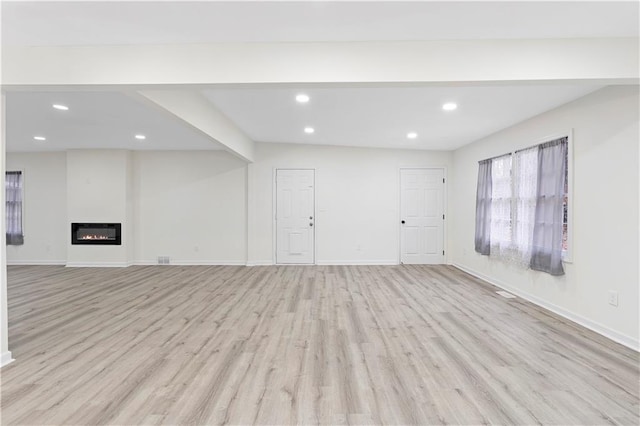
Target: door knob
{"type": "Point", "coordinates": [310, 224]}
{"type": "Point", "coordinates": [402, 222]}
{"type": "Point", "coordinates": [310, 217]}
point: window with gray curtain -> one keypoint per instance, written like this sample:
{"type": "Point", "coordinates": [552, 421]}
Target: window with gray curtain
{"type": "Point", "coordinates": [13, 189]}
{"type": "Point", "coordinates": [483, 208]}
{"type": "Point", "coordinates": [521, 206]}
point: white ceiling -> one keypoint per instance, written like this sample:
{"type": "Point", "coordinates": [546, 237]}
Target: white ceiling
{"type": "Point", "coordinates": [91, 23]}
{"type": "Point", "coordinates": [100, 120]}
{"type": "Point", "coordinates": [373, 117]}
{"type": "Point", "coordinates": [382, 117]}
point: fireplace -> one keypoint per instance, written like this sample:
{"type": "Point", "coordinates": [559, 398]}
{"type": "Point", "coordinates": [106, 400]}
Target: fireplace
{"type": "Point", "coordinates": [96, 233]}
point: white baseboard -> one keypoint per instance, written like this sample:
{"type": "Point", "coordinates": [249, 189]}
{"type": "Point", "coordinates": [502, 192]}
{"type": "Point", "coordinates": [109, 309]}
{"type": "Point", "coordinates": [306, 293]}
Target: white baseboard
{"type": "Point", "coordinates": [330, 263]}
{"type": "Point", "coordinates": [260, 263]}
{"type": "Point", "coordinates": [192, 263]}
{"type": "Point", "coordinates": [623, 339]}
{"type": "Point", "coordinates": [36, 262]}
{"type": "Point", "coordinates": [98, 264]}
{"type": "Point", "coordinates": [210, 263]}
{"type": "Point", "coordinates": [356, 262]}
{"type": "Point", "coordinates": [5, 359]}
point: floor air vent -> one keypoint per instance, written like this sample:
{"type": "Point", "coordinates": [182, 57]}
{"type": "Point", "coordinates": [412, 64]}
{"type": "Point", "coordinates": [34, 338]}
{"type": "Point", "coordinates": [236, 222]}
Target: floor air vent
{"type": "Point", "coordinates": [506, 294]}
{"type": "Point", "coordinates": [163, 260]}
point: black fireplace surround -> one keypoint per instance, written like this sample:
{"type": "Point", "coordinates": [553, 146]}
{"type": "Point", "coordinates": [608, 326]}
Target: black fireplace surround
{"type": "Point", "coordinates": [96, 233]}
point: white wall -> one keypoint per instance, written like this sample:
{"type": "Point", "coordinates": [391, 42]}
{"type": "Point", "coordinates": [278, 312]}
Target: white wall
{"type": "Point", "coordinates": [190, 206]}
{"type": "Point", "coordinates": [357, 199]}
{"type": "Point", "coordinates": [98, 190]}
{"type": "Point", "coordinates": [605, 217]}
{"type": "Point", "coordinates": [46, 231]}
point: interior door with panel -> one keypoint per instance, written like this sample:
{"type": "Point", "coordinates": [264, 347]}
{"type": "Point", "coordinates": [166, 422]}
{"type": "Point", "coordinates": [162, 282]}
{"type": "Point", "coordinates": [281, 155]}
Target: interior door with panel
{"type": "Point", "coordinates": [295, 217]}
{"type": "Point", "coordinates": [422, 216]}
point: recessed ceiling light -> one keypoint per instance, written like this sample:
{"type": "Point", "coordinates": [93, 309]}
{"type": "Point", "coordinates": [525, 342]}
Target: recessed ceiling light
{"type": "Point", "coordinates": [309, 130]}
{"type": "Point", "coordinates": [412, 135]}
{"type": "Point", "coordinates": [141, 137]}
{"type": "Point", "coordinates": [40, 138]}
{"type": "Point", "coordinates": [302, 98]}
{"type": "Point", "coordinates": [60, 107]}
{"type": "Point", "coordinates": [449, 106]}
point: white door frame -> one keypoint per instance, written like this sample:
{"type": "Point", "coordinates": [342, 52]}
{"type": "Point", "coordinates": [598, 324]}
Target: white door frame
{"type": "Point", "coordinates": [444, 208]}
{"type": "Point", "coordinates": [274, 234]}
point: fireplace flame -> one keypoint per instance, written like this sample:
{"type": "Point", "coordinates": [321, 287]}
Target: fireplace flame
{"type": "Point", "coordinates": [94, 237]}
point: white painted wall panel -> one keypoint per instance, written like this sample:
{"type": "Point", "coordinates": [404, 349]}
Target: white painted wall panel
{"type": "Point", "coordinates": [190, 206]}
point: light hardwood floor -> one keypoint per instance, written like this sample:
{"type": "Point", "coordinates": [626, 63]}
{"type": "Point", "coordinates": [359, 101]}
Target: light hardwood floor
{"type": "Point", "coordinates": [307, 345]}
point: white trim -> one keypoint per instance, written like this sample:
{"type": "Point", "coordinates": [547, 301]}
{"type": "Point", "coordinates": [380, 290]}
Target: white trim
{"type": "Point", "coordinates": [623, 339]}
{"type": "Point", "coordinates": [192, 263]}
{"type": "Point", "coordinates": [98, 264]}
{"type": "Point", "coordinates": [125, 264]}
{"type": "Point", "coordinates": [357, 262]}
{"type": "Point", "coordinates": [6, 358]}
{"type": "Point", "coordinates": [36, 262]}
{"type": "Point", "coordinates": [274, 221]}
{"type": "Point", "coordinates": [567, 256]}
{"type": "Point", "coordinates": [261, 263]}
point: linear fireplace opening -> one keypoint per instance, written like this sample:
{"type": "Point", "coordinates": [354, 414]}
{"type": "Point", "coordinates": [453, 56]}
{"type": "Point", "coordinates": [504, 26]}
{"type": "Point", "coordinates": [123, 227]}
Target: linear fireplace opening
{"type": "Point", "coordinates": [96, 233]}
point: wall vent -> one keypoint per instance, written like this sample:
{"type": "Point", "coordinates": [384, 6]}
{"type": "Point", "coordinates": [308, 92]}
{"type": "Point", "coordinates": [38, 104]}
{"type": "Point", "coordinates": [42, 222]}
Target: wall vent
{"type": "Point", "coordinates": [506, 294]}
{"type": "Point", "coordinates": [163, 260]}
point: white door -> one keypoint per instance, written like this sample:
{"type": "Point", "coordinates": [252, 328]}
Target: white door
{"type": "Point", "coordinates": [422, 216]}
{"type": "Point", "coordinates": [295, 217]}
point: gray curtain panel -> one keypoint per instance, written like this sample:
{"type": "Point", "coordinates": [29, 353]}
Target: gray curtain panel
{"type": "Point", "coordinates": [546, 254]}
{"type": "Point", "coordinates": [13, 185]}
{"type": "Point", "coordinates": [483, 208]}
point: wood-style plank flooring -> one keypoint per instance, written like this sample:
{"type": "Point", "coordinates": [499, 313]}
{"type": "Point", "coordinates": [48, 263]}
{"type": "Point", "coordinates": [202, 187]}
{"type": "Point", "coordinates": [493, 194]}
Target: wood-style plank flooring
{"type": "Point", "coordinates": [299, 345]}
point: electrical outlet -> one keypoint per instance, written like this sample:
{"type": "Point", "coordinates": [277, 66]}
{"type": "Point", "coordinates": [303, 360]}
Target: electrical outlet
{"type": "Point", "coordinates": [163, 260]}
{"type": "Point", "coordinates": [613, 298]}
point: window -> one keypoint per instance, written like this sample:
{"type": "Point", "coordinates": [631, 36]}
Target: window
{"type": "Point", "coordinates": [527, 213]}
{"type": "Point", "coordinates": [13, 189]}
{"type": "Point", "coordinates": [566, 206]}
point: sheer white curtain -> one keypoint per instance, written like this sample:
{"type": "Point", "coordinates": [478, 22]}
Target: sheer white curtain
{"type": "Point", "coordinates": [513, 205]}
{"type": "Point", "coordinates": [525, 183]}
{"type": "Point", "coordinates": [501, 206]}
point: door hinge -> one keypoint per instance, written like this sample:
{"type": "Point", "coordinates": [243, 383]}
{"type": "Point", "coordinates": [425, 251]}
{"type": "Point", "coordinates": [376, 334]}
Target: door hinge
{"type": "Point", "coordinates": [442, 180]}
{"type": "Point", "coordinates": [443, 252]}
{"type": "Point", "coordinates": [442, 217]}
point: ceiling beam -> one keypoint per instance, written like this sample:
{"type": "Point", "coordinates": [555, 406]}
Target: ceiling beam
{"type": "Point", "coordinates": [196, 111]}
{"type": "Point", "coordinates": [605, 61]}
